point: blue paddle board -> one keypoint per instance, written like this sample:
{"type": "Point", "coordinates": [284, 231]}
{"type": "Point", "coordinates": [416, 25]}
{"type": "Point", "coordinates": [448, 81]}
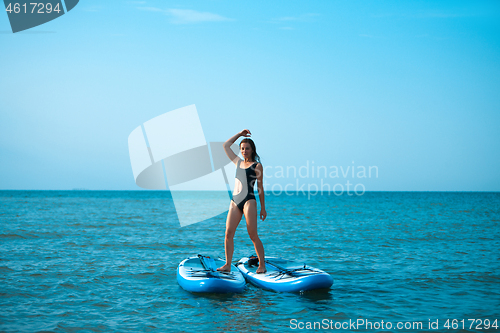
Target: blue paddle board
{"type": "Point", "coordinates": [284, 275]}
{"type": "Point", "coordinates": [199, 274]}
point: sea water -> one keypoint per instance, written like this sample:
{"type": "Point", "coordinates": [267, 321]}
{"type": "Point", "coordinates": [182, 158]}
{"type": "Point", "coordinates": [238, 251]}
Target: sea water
{"type": "Point", "coordinates": [105, 261]}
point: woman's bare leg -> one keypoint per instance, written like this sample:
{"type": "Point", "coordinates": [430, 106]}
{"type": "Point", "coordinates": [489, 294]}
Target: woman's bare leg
{"type": "Point", "coordinates": [233, 219]}
{"type": "Point", "coordinates": [250, 211]}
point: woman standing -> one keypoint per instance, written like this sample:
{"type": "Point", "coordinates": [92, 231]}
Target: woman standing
{"type": "Point", "coordinates": [248, 171]}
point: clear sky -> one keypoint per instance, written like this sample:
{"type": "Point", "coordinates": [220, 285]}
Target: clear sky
{"type": "Point", "coordinates": [411, 87]}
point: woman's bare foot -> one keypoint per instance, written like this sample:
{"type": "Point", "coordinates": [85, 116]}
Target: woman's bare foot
{"type": "Point", "coordinates": [225, 268]}
{"type": "Point", "coordinates": [261, 270]}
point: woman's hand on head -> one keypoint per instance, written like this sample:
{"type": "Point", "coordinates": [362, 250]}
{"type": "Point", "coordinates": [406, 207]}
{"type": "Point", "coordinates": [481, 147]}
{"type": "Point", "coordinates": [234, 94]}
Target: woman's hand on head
{"type": "Point", "coordinates": [263, 214]}
{"type": "Point", "coordinates": [245, 133]}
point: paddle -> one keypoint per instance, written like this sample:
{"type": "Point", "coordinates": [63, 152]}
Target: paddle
{"type": "Point", "coordinates": [211, 268]}
{"type": "Point", "coordinates": [291, 272]}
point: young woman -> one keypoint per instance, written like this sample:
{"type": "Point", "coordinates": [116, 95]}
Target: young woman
{"type": "Point", "coordinates": [247, 172]}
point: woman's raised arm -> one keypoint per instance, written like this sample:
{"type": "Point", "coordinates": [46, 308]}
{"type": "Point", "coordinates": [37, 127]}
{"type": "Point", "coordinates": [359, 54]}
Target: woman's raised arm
{"type": "Point", "coordinates": [227, 145]}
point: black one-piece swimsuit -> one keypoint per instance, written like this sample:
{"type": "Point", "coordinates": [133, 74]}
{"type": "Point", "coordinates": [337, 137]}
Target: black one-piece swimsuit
{"type": "Point", "coordinates": [247, 177]}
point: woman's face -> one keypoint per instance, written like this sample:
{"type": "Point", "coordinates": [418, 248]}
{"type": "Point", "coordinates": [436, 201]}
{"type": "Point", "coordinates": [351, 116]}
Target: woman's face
{"type": "Point", "coordinates": [246, 150]}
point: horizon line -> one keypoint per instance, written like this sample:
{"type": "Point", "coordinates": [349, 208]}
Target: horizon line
{"type": "Point", "coordinates": [265, 191]}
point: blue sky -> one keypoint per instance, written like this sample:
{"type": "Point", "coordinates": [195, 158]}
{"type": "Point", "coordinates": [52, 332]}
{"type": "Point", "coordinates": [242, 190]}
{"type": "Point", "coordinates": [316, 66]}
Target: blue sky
{"type": "Point", "coordinates": [408, 87]}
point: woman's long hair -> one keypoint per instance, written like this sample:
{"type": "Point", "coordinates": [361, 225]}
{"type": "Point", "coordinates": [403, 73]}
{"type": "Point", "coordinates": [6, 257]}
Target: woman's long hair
{"type": "Point", "coordinates": [255, 156]}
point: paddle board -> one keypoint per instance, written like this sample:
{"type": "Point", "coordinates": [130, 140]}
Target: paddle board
{"type": "Point", "coordinates": [199, 274]}
{"type": "Point", "coordinates": [284, 275]}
